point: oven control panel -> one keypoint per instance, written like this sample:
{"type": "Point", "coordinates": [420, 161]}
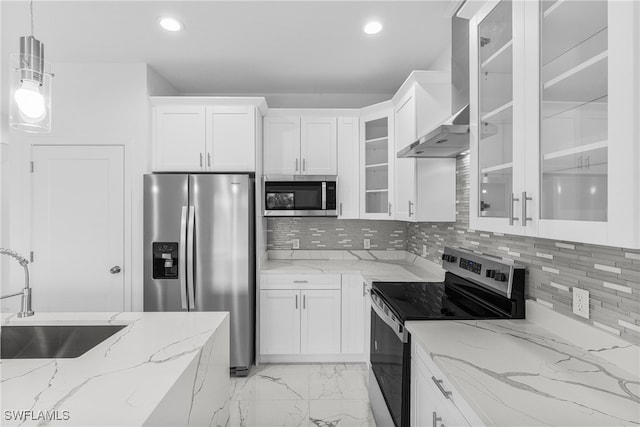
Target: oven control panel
{"type": "Point", "coordinates": [490, 271]}
{"type": "Point", "coordinates": [472, 266]}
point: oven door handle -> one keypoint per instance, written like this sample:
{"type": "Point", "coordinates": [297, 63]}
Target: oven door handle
{"type": "Point", "coordinates": [396, 327]}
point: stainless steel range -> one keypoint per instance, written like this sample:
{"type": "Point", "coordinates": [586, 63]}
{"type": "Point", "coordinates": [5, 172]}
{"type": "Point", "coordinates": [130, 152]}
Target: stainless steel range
{"type": "Point", "coordinates": [475, 287]}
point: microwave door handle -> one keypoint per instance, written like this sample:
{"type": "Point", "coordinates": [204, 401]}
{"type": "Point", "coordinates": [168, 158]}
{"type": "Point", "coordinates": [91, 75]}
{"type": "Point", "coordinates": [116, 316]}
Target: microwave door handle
{"type": "Point", "coordinates": [324, 195]}
{"type": "Point", "coordinates": [182, 258]}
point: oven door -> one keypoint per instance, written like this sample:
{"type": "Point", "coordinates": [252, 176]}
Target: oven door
{"type": "Point", "coordinates": [390, 361]}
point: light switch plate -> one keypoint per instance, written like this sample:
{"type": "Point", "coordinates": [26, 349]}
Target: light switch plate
{"type": "Point", "coordinates": [296, 243]}
{"type": "Point", "coordinates": [424, 251]}
{"type": "Point", "coordinates": [367, 243]}
{"type": "Point", "coordinates": [581, 302]}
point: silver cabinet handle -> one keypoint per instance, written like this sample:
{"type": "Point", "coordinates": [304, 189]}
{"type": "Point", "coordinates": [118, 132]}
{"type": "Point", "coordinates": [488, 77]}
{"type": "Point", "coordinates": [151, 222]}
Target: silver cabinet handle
{"type": "Point", "coordinates": [201, 156]}
{"type": "Point", "coordinates": [300, 281]}
{"type": "Point", "coordinates": [364, 289]}
{"type": "Point", "coordinates": [182, 258]}
{"type": "Point", "coordinates": [410, 206]}
{"type": "Point", "coordinates": [191, 262]}
{"type": "Point", "coordinates": [524, 208]}
{"type": "Point", "coordinates": [296, 165]}
{"type": "Point", "coordinates": [209, 159]}
{"type": "Point", "coordinates": [340, 208]}
{"type": "Point", "coordinates": [296, 302]}
{"type": "Point", "coordinates": [436, 418]}
{"type": "Point", "coordinates": [304, 302]}
{"type": "Point", "coordinates": [304, 165]}
{"type": "Point", "coordinates": [115, 270]}
{"type": "Point", "coordinates": [389, 209]}
{"type": "Point", "coordinates": [438, 382]}
{"type": "Point", "coordinates": [512, 218]}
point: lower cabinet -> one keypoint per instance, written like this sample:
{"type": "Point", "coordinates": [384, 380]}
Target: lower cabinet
{"type": "Point", "coordinates": [432, 401]}
{"type": "Point", "coordinates": [304, 319]}
{"type": "Point", "coordinates": [356, 315]}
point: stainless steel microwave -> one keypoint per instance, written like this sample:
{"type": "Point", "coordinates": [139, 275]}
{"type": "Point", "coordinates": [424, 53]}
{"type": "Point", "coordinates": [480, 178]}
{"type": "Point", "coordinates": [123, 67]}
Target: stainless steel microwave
{"type": "Point", "coordinates": [300, 195]}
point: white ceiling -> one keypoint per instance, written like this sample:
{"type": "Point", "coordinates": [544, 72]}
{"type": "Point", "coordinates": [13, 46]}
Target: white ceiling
{"type": "Point", "coordinates": [242, 47]}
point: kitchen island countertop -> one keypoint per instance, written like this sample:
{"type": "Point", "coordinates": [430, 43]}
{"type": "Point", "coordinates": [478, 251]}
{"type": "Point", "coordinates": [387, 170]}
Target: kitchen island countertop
{"type": "Point", "coordinates": [128, 379]}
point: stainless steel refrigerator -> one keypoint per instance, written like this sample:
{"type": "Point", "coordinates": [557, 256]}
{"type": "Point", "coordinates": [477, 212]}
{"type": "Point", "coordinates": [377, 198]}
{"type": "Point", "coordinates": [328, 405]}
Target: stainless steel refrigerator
{"type": "Point", "coordinates": [199, 251]}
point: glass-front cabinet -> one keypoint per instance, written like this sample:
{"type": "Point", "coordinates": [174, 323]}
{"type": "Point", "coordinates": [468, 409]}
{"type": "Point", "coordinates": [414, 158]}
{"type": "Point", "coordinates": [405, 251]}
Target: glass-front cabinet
{"type": "Point", "coordinates": [377, 150]}
{"type": "Point", "coordinates": [555, 115]}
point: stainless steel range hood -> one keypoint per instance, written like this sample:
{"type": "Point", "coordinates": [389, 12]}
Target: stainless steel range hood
{"type": "Point", "coordinates": [451, 137]}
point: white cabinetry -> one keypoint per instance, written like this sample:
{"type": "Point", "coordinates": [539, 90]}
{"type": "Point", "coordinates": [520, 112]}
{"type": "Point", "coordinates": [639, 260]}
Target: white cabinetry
{"type": "Point", "coordinates": [202, 134]}
{"type": "Point", "coordinates": [356, 315]}
{"type": "Point", "coordinates": [299, 315]}
{"type": "Point", "coordinates": [424, 188]}
{"type": "Point", "coordinates": [554, 126]}
{"type": "Point", "coordinates": [300, 145]}
{"type": "Point", "coordinates": [433, 401]}
{"type": "Point", "coordinates": [348, 171]}
{"type": "Point", "coordinates": [377, 160]}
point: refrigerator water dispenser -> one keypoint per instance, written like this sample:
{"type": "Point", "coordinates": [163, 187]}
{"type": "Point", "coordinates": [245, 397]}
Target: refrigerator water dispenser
{"type": "Point", "coordinates": [165, 260]}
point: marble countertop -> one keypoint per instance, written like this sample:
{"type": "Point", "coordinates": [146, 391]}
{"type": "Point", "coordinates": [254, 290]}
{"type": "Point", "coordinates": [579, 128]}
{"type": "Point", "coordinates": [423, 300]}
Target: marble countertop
{"type": "Point", "coordinates": [517, 373]}
{"type": "Point", "coordinates": [372, 265]}
{"type": "Point", "coordinates": [120, 381]}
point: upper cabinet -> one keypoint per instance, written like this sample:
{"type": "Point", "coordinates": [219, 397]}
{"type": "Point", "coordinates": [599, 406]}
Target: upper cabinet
{"type": "Point", "coordinates": [204, 134]}
{"type": "Point", "coordinates": [377, 157]}
{"type": "Point", "coordinates": [555, 120]}
{"type": "Point", "coordinates": [300, 145]}
{"type": "Point", "coordinates": [425, 189]}
{"type": "Point", "coordinates": [348, 170]}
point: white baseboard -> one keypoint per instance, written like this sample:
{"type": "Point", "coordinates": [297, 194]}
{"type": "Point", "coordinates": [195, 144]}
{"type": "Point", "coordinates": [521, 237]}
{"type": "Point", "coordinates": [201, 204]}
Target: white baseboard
{"type": "Point", "coordinates": [314, 358]}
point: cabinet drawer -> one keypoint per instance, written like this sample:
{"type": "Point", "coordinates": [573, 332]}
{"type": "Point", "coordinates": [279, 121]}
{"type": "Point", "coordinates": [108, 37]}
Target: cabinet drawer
{"type": "Point", "coordinates": [300, 281]}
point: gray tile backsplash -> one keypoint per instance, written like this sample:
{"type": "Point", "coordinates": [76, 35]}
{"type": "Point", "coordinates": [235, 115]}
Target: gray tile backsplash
{"type": "Point", "coordinates": [611, 275]}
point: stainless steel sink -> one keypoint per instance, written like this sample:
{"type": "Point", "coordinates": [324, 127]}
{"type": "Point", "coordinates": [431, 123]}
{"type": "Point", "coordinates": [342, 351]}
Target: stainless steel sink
{"type": "Point", "coordinates": [44, 342]}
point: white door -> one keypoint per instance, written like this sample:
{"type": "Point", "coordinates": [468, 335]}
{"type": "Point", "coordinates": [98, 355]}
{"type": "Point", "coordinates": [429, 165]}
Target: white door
{"type": "Point", "coordinates": [78, 228]}
{"type": "Point", "coordinates": [231, 139]}
{"type": "Point", "coordinates": [320, 321]}
{"type": "Point", "coordinates": [405, 179]}
{"type": "Point", "coordinates": [279, 321]}
{"type": "Point", "coordinates": [354, 314]}
{"type": "Point", "coordinates": [282, 146]}
{"type": "Point", "coordinates": [319, 146]}
{"type": "Point", "coordinates": [179, 138]}
{"type": "Point", "coordinates": [348, 168]}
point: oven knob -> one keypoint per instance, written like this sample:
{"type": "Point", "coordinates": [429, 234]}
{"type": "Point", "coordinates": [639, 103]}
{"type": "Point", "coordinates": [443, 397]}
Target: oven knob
{"type": "Point", "coordinates": [491, 273]}
{"type": "Point", "coordinates": [448, 258]}
{"type": "Point", "coordinates": [501, 277]}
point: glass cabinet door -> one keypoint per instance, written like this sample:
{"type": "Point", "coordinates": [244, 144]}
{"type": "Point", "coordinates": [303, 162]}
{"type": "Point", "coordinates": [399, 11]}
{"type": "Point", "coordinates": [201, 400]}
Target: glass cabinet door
{"type": "Point", "coordinates": [495, 146]}
{"type": "Point", "coordinates": [573, 110]}
{"type": "Point", "coordinates": [376, 153]}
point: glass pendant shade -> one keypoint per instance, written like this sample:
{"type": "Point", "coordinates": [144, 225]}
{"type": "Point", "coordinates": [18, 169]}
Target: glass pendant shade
{"type": "Point", "coordinates": [30, 88]}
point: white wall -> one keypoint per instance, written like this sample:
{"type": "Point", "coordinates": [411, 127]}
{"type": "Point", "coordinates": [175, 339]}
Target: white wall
{"type": "Point", "coordinates": [92, 104]}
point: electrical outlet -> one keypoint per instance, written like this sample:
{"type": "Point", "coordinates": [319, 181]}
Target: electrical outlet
{"type": "Point", "coordinates": [296, 243]}
{"type": "Point", "coordinates": [424, 251]}
{"type": "Point", "coordinates": [367, 243]}
{"type": "Point", "coordinates": [581, 302]}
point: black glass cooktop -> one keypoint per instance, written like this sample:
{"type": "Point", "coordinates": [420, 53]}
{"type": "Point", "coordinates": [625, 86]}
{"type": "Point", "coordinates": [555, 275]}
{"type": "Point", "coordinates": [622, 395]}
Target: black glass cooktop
{"type": "Point", "coordinates": [455, 298]}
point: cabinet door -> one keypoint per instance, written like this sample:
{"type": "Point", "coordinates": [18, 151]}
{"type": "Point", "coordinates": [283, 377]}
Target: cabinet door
{"type": "Point", "coordinates": [348, 172]}
{"type": "Point", "coordinates": [405, 178]}
{"type": "Point", "coordinates": [318, 146]}
{"type": "Point", "coordinates": [377, 153]}
{"type": "Point", "coordinates": [279, 321]}
{"type": "Point", "coordinates": [231, 139]}
{"type": "Point", "coordinates": [354, 314]}
{"type": "Point", "coordinates": [320, 321]}
{"type": "Point", "coordinates": [179, 138]}
{"type": "Point", "coordinates": [282, 145]}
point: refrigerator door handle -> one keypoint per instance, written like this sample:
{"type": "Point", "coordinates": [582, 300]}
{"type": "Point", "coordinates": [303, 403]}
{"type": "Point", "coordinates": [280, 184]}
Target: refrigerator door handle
{"type": "Point", "coordinates": [190, 261]}
{"type": "Point", "coordinates": [182, 258]}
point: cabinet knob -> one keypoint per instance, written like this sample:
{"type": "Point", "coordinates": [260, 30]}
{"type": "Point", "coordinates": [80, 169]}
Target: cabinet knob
{"type": "Point", "coordinates": [115, 270]}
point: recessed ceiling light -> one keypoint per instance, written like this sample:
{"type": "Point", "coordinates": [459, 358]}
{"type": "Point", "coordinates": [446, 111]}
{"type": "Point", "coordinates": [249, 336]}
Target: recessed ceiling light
{"type": "Point", "coordinates": [171, 24]}
{"type": "Point", "coordinates": [373, 27]}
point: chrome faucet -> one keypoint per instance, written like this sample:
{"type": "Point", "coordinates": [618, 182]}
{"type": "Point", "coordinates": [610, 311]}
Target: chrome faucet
{"type": "Point", "coordinates": [26, 292]}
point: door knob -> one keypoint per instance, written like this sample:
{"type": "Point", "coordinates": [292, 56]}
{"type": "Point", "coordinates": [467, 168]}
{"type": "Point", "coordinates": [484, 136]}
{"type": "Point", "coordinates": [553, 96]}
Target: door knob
{"type": "Point", "coordinates": [115, 270]}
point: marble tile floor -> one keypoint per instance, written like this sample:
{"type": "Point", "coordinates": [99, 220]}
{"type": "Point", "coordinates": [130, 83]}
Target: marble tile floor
{"type": "Point", "coordinates": [309, 395]}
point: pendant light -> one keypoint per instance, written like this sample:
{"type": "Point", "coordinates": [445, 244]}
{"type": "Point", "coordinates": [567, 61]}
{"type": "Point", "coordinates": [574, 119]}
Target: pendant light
{"type": "Point", "coordinates": [30, 86]}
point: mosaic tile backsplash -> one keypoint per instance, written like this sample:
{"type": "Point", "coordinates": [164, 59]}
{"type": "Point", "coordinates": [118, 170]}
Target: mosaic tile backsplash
{"type": "Point", "coordinates": [611, 275]}
{"type": "Point", "coordinates": [332, 233]}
